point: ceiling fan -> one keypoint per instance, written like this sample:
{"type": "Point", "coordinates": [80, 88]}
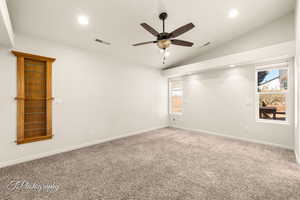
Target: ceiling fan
{"type": "Point", "coordinates": [102, 41]}
{"type": "Point", "coordinates": [165, 39]}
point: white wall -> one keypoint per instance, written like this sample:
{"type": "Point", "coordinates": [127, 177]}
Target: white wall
{"type": "Point", "coordinates": [97, 97]}
{"type": "Point", "coordinates": [275, 52]}
{"type": "Point", "coordinates": [222, 101]}
{"type": "Point", "coordinates": [297, 83]}
{"type": "Point", "coordinates": [278, 31]}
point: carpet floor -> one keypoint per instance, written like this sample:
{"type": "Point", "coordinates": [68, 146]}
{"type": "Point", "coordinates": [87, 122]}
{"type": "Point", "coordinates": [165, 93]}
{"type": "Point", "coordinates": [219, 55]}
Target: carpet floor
{"type": "Point", "coordinates": [159, 165]}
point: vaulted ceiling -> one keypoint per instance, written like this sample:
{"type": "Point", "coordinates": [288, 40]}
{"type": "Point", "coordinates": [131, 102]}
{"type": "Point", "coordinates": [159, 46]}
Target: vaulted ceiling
{"type": "Point", "coordinates": [118, 21]}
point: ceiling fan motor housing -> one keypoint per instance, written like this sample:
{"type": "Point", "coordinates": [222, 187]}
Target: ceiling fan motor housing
{"type": "Point", "coordinates": [163, 41]}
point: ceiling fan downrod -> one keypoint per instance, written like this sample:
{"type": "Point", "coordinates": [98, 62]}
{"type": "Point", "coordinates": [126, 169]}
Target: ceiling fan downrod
{"type": "Point", "coordinates": [163, 16]}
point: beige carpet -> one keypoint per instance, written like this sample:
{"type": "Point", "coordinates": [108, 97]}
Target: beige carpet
{"type": "Point", "coordinates": [161, 165]}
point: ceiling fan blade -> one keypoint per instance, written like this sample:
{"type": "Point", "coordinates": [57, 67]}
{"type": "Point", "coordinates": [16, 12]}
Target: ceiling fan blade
{"type": "Point", "coordinates": [206, 44]}
{"type": "Point", "coordinates": [101, 41]}
{"type": "Point", "coordinates": [182, 30]}
{"type": "Point", "coordinates": [182, 43]}
{"type": "Point", "coordinates": [142, 43]}
{"type": "Point", "coordinates": [150, 29]}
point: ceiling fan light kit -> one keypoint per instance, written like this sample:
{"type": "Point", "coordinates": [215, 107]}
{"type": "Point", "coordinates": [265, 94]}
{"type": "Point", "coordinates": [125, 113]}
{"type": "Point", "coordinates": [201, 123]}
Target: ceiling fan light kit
{"type": "Point", "coordinates": [163, 44]}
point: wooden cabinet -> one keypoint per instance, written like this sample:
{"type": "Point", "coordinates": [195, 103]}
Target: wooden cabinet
{"type": "Point", "coordinates": [34, 97]}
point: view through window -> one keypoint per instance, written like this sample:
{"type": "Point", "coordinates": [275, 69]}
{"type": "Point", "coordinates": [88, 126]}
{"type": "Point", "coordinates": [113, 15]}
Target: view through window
{"type": "Point", "coordinates": [272, 93]}
{"type": "Point", "coordinates": [176, 96]}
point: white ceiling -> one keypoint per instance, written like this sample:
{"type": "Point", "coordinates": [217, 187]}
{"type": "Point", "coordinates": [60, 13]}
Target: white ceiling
{"type": "Point", "coordinates": [117, 21]}
{"type": "Point", "coordinates": [6, 32]}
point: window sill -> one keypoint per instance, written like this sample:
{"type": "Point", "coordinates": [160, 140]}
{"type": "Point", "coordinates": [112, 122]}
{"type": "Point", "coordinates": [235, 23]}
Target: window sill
{"type": "Point", "coordinates": [176, 114]}
{"type": "Point", "coordinates": [273, 122]}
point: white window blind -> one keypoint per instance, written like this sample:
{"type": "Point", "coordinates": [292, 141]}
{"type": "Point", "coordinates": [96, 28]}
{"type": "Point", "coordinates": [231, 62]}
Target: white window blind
{"type": "Point", "coordinates": [176, 96]}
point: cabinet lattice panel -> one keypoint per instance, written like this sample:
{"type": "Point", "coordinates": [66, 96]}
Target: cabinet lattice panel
{"type": "Point", "coordinates": [34, 100]}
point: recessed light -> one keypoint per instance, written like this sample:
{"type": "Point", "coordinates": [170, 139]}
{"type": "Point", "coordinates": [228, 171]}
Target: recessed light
{"type": "Point", "coordinates": [233, 13]}
{"type": "Point", "coordinates": [232, 65]}
{"type": "Point", "coordinates": [83, 20]}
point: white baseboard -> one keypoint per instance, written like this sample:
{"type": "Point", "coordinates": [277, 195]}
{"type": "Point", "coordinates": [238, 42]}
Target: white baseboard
{"type": "Point", "coordinates": [234, 137]}
{"type": "Point", "coordinates": [50, 153]}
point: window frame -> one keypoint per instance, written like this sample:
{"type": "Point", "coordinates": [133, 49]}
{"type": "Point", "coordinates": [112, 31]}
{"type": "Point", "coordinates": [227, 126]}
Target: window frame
{"type": "Point", "coordinates": [170, 97]}
{"type": "Point", "coordinates": [279, 65]}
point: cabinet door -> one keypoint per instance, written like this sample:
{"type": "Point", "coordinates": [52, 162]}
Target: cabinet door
{"type": "Point", "coordinates": [34, 100]}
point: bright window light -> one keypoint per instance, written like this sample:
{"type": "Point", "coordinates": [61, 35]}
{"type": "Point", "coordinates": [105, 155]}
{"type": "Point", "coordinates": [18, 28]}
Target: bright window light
{"type": "Point", "coordinates": [175, 96]}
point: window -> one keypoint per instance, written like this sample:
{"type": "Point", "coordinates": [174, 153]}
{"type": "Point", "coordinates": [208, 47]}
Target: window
{"type": "Point", "coordinates": [175, 96]}
{"type": "Point", "coordinates": [272, 93]}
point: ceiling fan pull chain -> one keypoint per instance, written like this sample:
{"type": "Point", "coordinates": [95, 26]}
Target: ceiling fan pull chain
{"type": "Point", "coordinates": [164, 56]}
